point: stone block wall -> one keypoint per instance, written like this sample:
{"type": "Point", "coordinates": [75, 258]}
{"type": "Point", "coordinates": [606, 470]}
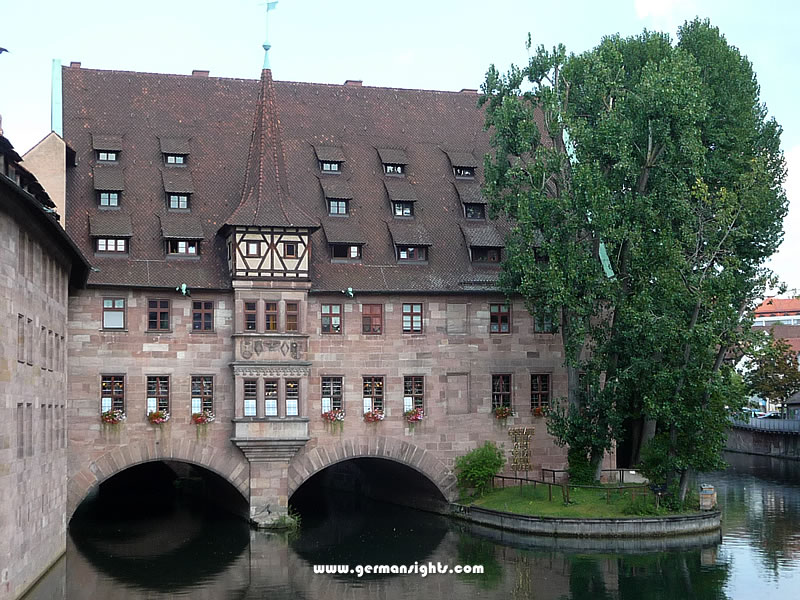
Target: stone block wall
{"type": "Point", "coordinates": [33, 328]}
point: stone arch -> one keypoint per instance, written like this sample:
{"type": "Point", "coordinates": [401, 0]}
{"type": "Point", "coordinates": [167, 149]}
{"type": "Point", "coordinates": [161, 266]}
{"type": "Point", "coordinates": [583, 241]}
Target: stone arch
{"type": "Point", "coordinates": [310, 461]}
{"type": "Point", "coordinates": [235, 470]}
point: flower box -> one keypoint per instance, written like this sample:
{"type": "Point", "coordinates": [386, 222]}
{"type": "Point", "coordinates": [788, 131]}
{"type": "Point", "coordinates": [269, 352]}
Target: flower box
{"type": "Point", "coordinates": [158, 417]}
{"type": "Point", "coordinates": [112, 417]}
{"type": "Point", "coordinates": [203, 417]}
{"type": "Point", "coordinates": [373, 416]}
{"type": "Point", "coordinates": [503, 412]}
{"type": "Point", "coordinates": [415, 415]}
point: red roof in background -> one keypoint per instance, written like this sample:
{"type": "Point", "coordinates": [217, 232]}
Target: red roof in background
{"type": "Point", "coordinates": [774, 307]}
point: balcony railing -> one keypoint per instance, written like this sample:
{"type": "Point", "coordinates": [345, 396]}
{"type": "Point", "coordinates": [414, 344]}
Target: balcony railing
{"type": "Point", "coordinates": [777, 425]}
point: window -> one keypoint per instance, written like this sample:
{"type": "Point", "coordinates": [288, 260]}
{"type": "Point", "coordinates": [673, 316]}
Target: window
{"type": "Point", "coordinates": [345, 252]}
{"type": "Point", "coordinates": [475, 211]}
{"type": "Point", "coordinates": [412, 318]}
{"type": "Point", "coordinates": [158, 315]}
{"type": "Point", "coordinates": [202, 315]}
{"type": "Point", "coordinates": [250, 311]}
{"type": "Point", "coordinates": [107, 156]}
{"type": "Point", "coordinates": [403, 209]}
{"type": "Point", "coordinates": [21, 338]}
{"type": "Point", "coordinates": [108, 199]}
{"type": "Point", "coordinates": [540, 391]}
{"type": "Point", "coordinates": [175, 159]}
{"type": "Point", "coordinates": [373, 393]}
{"type": "Point", "coordinates": [112, 393]}
{"type": "Point", "coordinates": [178, 201]}
{"type": "Point", "coordinates": [543, 323]}
{"type": "Point", "coordinates": [372, 319]}
{"type": "Point", "coordinates": [271, 313]}
{"type": "Point", "coordinates": [329, 166]}
{"type": "Point", "coordinates": [501, 391]}
{"type": "Point", "coordinates": [499, 318]}
{"type": "Point", "coordinates": [184, 247]}
{"type": "Point", "coordinates": [338, 207]}
{"type": "Point", "coordinates": [413, 392]}
{"type": "Point", "coordinates": [331, 318]}
{"type": "Point", "coordinates": [331, 393]}
{"type": "Point", "coordinates": [289, 250]}
{"type": "Point", "coordinates": [271, 397]}
{"type": "Point", "coordinates": [111, 245]}
{"type": "Point", "coordinates": [252, 249]}
{"type": "Point", "coordinates": [250, 397]}
{"type": "Point", "coordinates": [157, 393]}
{"type": "Point", "coordinates": [113, 313]}
{"type": "Point", "coordinates": [202, 393]}
{"type": "Point", "coordinates": [464, 172]}
{"type": "Point", "coordinates": [480, 254]}
{"type": "Point", "coordinates": [292, 397]}
{"type": "Point", "coordinates": [292, 315]}
{"type": "Point", "coordinates": [390, 169]}
{"type": "Point", "coordinates": [412, 253]}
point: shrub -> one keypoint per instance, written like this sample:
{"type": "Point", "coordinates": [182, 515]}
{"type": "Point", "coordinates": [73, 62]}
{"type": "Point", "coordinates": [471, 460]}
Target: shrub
{"type": "Point", "coordinates": [579, 468]}
{"type": "Point", "coordinates": [476, 468]}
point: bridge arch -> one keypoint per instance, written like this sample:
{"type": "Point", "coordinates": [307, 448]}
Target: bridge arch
{"type": "Point", "coordinates": [310, 461]}
{"type": "Point", "coordinates": [235, 470]}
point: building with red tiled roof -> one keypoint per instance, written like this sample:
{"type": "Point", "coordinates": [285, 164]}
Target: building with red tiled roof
{"type": "Point", "coordinates": [272, 251]}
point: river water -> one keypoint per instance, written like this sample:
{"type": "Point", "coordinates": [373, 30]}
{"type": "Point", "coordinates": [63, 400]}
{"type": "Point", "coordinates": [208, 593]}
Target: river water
{"type": "Point", "coordinates": [189, 553]}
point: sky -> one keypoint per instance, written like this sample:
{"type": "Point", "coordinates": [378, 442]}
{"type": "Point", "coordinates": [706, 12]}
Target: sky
{"type": "Point", "coordinates": [430, 44]}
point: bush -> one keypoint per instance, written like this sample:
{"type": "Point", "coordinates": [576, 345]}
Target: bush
{"type": "Point", "coordinates": [579, 468]}
{"type": "Point", "coordinates": [476, 468]}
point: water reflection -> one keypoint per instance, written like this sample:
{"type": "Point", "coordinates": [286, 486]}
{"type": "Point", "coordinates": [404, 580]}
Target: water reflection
{"type": "Point", "coordinates": [195, 555]}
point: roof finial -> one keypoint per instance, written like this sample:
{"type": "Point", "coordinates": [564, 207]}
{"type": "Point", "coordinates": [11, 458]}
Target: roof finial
{"type": "Point", "coordinates": [266, 46]}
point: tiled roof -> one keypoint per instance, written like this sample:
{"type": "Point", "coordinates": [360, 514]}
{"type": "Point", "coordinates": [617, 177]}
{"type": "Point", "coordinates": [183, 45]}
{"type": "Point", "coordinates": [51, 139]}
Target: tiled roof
{"type": "Point", "coordinates": [329, 153]}
{"type": "Point", "coordinates": [111, 223]}
{"type": "Point", "coordinates": [182, 226]}
{"type": "Point", "coordinates": [470, 192]}
{"type": "Point", "coordinates": [174, 145]}
{"type": "Point", "coordinates": [107, 142]}
{"type": "Point", "coordinates": [773, 307]}
{"type": "Point", "coordinates": [485, 236]}
{"type": "Point", "coordinates": [341, 231]}
{"type": "Point", "coordinates": [393, 156]}
{"type": "Point", "coordinates": [177, 180]}
{"type": "Point", "coordinates": [109, 178]}
{"type": "Point", "coordinates": [336, 188]}
{"type": "Point", "coordinates": [399, 190]}
{"type": "Point", "coordinates": [461, 159]}
{"type": "Point", "coordinates": [231, 123]}
{"type": "Point", "coordinates": [409, 233]}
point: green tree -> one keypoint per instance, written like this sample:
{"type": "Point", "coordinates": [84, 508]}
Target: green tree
{"type": "Point", "coordinates": [774, 373]}
{"type": "Point", "coordinates": [643, 181]}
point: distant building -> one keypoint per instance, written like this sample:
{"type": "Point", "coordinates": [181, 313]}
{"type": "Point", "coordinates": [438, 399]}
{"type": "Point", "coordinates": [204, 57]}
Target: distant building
{"type": "Point", "coordinates": [39, 265]}
{"type": "Point", "coordinates": [781, 316]}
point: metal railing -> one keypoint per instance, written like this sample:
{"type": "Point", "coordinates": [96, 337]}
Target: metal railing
{"type": "Point", "coordinates": [642, 490]}
{"type": "Point", "coordinates": [777, 425]}
{"type": "Point", "coordinates": [620, 477]}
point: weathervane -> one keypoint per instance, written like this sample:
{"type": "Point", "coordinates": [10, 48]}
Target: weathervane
{"type": "Point", "coordinates": [270, 6]}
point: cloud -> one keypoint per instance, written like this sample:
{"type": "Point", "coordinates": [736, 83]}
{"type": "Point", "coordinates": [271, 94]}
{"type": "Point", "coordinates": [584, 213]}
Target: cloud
{"type": "Point", "coordinates": [665, 14]}
{"type": "Point", "coordinates": [785, 262]}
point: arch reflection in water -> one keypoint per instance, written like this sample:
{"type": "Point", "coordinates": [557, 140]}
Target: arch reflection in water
{"type": "Point", "coordinates": [151, 529]}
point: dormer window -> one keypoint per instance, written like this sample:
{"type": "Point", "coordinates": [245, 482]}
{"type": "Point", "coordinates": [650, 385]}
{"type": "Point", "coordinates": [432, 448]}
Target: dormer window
{"type": "Point", "coordinates": [394, 161]}
{"type": "Point", "coordinates": [111, 245]}
{"type": "Point", "coordinates": [345, 252]}
{"type": "Point", "coordinates": [390, 169]}
{"type": "Point", "coordinates": [329, 166]}
{"type": "Point", "coordinates": [463, 163]}
{"type": "Point", "coordinates": [183, 247]}
{"type": "Point", "coordinates": [338, 207]}
{"type": "Point", "coordinates": [178, 201]}
{"type": "Point", "coordinates": [474, 211]}
{"type": "Point", "coordinates": [464, 172]}
{"type": "Point", "coordinates": [175, 159]}
{"type": "Point", "coordinates": [108, 199]}
{"type": "Point", "coordinates": [107, 156]}
{"type": "Point", "coordinates": [485, 255]}
{"type": "Point", "coordinates": [412, 253]}
{"type": "Point", "coordinates": [403, 209]}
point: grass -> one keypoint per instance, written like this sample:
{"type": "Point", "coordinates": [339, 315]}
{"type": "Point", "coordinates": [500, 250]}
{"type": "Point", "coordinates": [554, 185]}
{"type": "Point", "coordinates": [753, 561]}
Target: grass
{"type": "Point", "coordinates": [584, 503]}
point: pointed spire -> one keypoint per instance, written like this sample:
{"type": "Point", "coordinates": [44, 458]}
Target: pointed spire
{"type": "Point", "coordinates": [266, 45]}
{"type": "Point", "coordinates": [265, 197]}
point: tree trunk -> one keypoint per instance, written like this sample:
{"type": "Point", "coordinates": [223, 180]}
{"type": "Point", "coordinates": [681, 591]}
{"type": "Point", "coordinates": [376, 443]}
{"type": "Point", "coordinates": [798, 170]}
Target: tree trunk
{"type": "Point", "coordinates": [684, 487]}
{"type": "Point", "coordinates": [648, 432]}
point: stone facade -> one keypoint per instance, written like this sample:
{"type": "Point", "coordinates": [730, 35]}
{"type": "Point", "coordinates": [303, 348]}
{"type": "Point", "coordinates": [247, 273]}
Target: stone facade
{"type": "Point", "coordinates": [34, 278]}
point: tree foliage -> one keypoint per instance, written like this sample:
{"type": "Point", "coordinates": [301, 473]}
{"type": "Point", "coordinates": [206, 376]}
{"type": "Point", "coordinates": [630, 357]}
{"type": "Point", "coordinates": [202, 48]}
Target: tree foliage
{"type": "Point", "coordinates": [774, 374]}
{"type": "Point", "coordinates": [644, 183]}
{"type": "Point", "coordinates": [477, 468]}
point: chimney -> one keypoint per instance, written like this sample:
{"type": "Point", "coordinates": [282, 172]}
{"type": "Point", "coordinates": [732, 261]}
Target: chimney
{"type": "Point", "coordinates": [75, 65]}
{"type": "Point", "coordinates": [468, 91]}
{"type": "Point", "coordinates": [197, 73]}
{"type": "Point", "coordinates": [353, 82]}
